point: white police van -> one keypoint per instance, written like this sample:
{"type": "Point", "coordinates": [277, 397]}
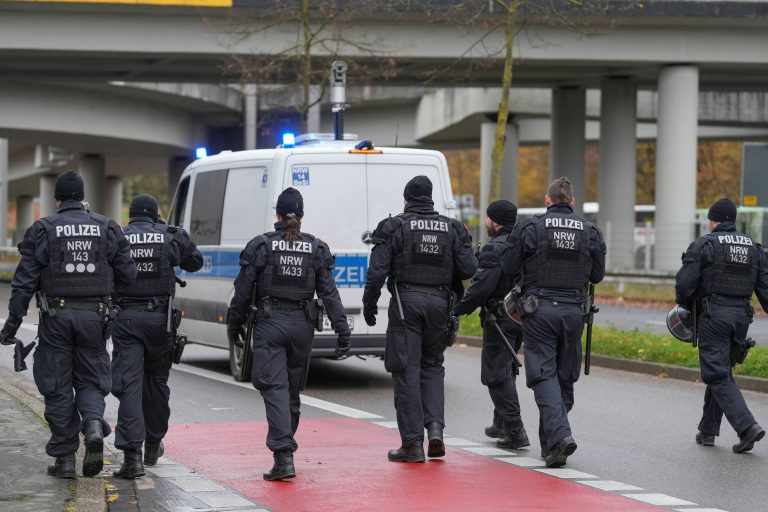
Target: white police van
{"type": "Point", "coordinates": [225, 200]}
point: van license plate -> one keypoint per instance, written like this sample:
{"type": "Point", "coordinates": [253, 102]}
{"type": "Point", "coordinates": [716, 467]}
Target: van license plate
{"type": "Point", "coordinates": [327, 327]}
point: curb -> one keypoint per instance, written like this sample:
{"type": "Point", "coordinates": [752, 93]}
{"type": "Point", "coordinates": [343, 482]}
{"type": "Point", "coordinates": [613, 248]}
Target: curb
{"type": "Point", "coordinates": [657, 369]}
{"type": "Point", "coordinates": [90, 495]}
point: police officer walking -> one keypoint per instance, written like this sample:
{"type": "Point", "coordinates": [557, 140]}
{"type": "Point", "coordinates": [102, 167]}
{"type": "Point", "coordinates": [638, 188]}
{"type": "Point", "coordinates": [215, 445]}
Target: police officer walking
{"type": "Point", "coordinates": [489, 286]}
{"type": "Point", "coordinates": [559, 254]}
{"type": "Point", "coordinates": [73, 259]}
{"type": "Point", "coordinates": [720, 271]}
{"type": "Point", "coordinates": [421, 253]}
{"type": "Point", "coordinates": [285, 268]}
{"type": "Point", "coordinates": [144, 335]}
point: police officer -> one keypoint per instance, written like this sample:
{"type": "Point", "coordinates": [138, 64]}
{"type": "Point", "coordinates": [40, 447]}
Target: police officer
{"type": "Point", "coordinates": [144, 337]}
{"type": "Point", "coordinates": [720, 271]}
{"type": "Point", "coordinates": [497, 370]}
{"type": "Point", "coordinates": [422, 253]}
{"type": "Point", "coordinates": [559, 254]}
{"type": "Point", "coordinates": [286, 268]}
{"type": "Point", "coordinates": [74, 258]}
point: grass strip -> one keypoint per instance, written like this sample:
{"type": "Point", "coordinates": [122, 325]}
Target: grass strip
{"type": "Point", "coordinates": [644, 346]}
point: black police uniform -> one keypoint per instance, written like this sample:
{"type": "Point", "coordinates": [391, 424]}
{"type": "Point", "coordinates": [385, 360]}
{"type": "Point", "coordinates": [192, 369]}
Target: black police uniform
{"type": "Point", "coordinates": [75, 257]}
{"type": "Point", "coordinates": [560, 254]}
{"type": "Point", "coordinates": [497, 368]}
{"type": "Point", "coordinates": [423, 252]}
{"type": "Point", "coordinates": [286, 275]}
{"type": "Point", "coordinates": [720, 271]}
{"type": "Point", "coordinates": [141, 359]}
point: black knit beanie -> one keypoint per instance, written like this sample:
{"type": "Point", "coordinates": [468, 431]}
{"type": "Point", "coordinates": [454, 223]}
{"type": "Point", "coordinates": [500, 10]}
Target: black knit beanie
{"type": "Point", "coordinates": [290, 202]}
{"type": "Point", "coordinates": [722, 210]}
{"type": "Point", "coordinates": [418, 187]}
{"type": "Point", "coordinates": [143, 204]}
{"type": "Point", "coordinates": [69, 186]}
{"type": "Point", "coordinates": [502, 212]}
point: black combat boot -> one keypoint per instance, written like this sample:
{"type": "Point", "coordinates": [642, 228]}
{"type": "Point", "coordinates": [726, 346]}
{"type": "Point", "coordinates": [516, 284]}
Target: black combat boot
{"type": "Point", "coordinates": [495, 431]}
{"type": "Point", "coordinates": [94, 448]}
{"type": "Point", "coordinates": [514, 435]}
{"type": "Point", "coordinates": [748, 439]}
{"type": "Point", "coordinates": [132, 466]}
{"type": "Point", "coordinates": [560, 452]}
{"type": "Point", "coordinates": [412, 453]}
{"type": "Point", "coordinates": [705, 439]}
{"type": "Point", "coordinates": [63, 466]}
{"type": "Point", "coordinates": [435, 436]}
{"type": "Point", "coordinates": [283, 467]}
{"type": "Point", "coordinates": [152, 452]}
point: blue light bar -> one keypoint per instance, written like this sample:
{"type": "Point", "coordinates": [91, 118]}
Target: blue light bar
{"type": "Point", "coordinates": [289, 140]}
{"type": "Point", "coordinates": [201, 152]}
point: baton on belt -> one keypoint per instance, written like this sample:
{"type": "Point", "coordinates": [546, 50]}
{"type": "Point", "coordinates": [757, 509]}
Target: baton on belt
{"type": "Point", "coordinates": [491, 319]}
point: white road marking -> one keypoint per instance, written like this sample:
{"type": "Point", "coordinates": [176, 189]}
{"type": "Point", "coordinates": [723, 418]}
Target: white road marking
{"type": "Point", "coordinates": [489, 451]}
{"type": "Point", "coordinates": [656, 322]}
{"type": "Point", "coordinates": [523, 462]}
{"type": "Point", "coordinates": [699, 510]}
{"type": "Point", "coordinates": [610, 485]}
{"type": "Point", "coordinates": [459, 441]}
{"type": "Point", "coordinates": [339, 409]}
{"type": "Point", "coordinates": [565, 473]}
{"type": "Point", "coordinates": [661, 500]}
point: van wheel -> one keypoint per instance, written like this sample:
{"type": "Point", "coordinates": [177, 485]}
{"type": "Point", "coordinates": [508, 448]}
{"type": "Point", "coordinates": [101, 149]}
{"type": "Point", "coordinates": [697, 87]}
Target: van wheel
{"type": "Point", "coordinates": [240, 363]}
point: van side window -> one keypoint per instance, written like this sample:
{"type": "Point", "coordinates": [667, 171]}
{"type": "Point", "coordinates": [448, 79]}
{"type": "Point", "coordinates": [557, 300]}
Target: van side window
{"type": "Point", "coordinates": [207, 205]}
{"type": "Point", "coordinates": [179, 207]}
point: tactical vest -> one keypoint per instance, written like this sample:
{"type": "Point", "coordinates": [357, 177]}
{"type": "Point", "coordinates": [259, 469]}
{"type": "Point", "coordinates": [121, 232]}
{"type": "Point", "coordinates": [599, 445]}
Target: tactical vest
{"type": "Point", "coordinates": [427, 256]}
{"type": "Point", "coordinates": [561, 259]}
{"type": "Point", "coordinates": [149, 249]}
{"type": "Point", "coordinates": [734, 271]}
{"type": "Point", "coordinates": [289, 273]}
{"type": "Point", "coordinates": [78, 265]}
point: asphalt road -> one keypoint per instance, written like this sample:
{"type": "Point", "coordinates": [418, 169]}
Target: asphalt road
{"type": "Point", "coordinates": [631, 428]}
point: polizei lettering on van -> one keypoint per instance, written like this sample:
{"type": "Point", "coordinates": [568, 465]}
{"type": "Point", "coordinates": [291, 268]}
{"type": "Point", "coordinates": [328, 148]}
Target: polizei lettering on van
{"type": "Point", "coordinates": [145, 238]}
{"type": "Point", "coordinates": [734, 239]}
{"type": "Point", "coordinates": [429, 225]}
{"type": "Point", "coordinates": [68, 230]}
{"type": "Point", "coordinates": [559, 222]}
{"type": "Point", "coordinates": [295, 246]}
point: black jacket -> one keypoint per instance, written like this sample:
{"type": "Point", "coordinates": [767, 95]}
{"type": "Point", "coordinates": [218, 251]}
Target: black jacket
{"type": "Point", "coordinates": [490, 281]}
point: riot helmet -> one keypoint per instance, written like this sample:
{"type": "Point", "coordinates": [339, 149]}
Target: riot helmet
{"type": "Point", "coordinates": [512, 307]}
{"type": "Point", "coordinates": [680, 323]}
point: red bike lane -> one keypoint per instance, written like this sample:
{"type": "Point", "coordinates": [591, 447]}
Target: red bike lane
{"type": "Point", "coordinates": [342, 465]}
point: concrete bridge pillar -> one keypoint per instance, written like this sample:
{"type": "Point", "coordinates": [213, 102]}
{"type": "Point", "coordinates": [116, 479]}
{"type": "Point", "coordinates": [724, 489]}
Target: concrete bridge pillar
{"type": "Point", "coordinates": [508, 186]}
{"type": "Point", "coordinates": [676, 163]}
{"type": "Point", "coordinates": [250, 113]}
{"type": "Point", "coordinates": [617, 176]}
{"type": "Point", "coordinates": [91, 168]}
{"type": "Point", "coordinates": [47, 190]}
{"type": "Point", "coordinates": [25, 216]}
{"type": "Point", "coordinates": [566, 155]}
{"type": "Point", "coordinates": [3, 192]}
{"type": "Point", "coordinates": [113, 198]}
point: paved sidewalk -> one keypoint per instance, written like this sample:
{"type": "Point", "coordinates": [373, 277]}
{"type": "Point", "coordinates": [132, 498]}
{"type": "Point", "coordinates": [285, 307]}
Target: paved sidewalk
{"type": "Point", "coordinates": [25, 486]}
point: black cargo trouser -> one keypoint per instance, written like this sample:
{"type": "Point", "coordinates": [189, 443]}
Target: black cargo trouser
{"type": "Point", "coordinates": [414, 356]}
{"type": "Point", "coordinates": [497, 372]}
{"type": "Point", "coordinates": [72, 354]}
{"type": "Point", "coordinates": [552, 365]}
{"type": "Point", "coordinates": [718, 334]}
{"type": "Point", "coordinates": [140, 367]}
{"type": "Point", "coordinates": [282, 346]}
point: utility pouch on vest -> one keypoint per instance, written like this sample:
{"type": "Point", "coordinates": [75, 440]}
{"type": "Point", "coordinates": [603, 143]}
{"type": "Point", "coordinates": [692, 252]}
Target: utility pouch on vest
{"type": "Point", "coordinates": [313, 309]}
{"type": "Point", "coordinates": [530, 305]}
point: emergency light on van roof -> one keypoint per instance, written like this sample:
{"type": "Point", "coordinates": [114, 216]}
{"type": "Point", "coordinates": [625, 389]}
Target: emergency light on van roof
{"type": "Point", "coordinates": [365, 146]}
{"type": "Point", "coordinates": [201, 152]}
{"type": "Point", "coordinates": [289, 140]}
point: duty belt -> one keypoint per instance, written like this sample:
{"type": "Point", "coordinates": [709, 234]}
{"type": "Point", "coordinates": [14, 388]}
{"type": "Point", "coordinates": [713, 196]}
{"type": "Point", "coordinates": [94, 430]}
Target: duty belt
{"type": "Point", "coordinates": [440, 291]}
{"type": "Point", "coordinates": [150, 304]}
{"type": "Point", "coordinates": [286, 304]}
{"type": "Point", "coordinates": [97, 306]}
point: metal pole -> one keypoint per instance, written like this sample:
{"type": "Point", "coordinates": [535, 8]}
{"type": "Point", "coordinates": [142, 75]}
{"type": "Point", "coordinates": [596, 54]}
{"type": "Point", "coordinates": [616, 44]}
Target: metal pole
{"type": "Point", "coordinates": [648, 248]}
{"type": "Point", "coordinates": [338, 97]}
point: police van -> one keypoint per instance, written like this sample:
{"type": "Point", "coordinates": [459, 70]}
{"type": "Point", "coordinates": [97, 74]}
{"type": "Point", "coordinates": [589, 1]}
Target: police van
{"type": "Point", "coordinates": [348, 186]}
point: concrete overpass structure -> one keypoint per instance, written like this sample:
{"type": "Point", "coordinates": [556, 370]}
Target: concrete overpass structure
{"type": "Point", "coordinates": [677, 48]}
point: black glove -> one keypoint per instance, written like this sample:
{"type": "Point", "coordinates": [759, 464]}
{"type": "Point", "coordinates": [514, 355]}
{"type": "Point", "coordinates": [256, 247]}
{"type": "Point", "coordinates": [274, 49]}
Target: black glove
{"type": "Point", "coordinates": [8, 334]}
{"type": "Point", "coordinates": [369, 313]}
{"type": "Point", "coordinates": [342, 344]}
{"type": "Point", "coordinates": [236, 335]}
